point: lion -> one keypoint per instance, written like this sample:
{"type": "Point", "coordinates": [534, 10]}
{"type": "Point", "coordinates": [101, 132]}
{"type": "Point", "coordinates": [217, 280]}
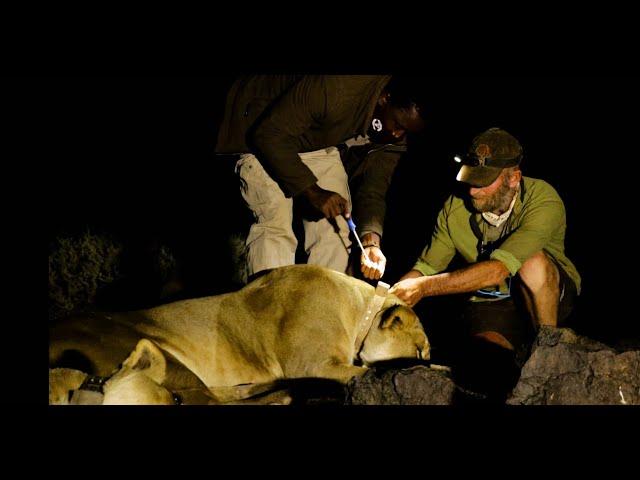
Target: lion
{"type": "Point", "coordinates": [139, 381]}
{"type": "Point", "coordinates": [298, 321]}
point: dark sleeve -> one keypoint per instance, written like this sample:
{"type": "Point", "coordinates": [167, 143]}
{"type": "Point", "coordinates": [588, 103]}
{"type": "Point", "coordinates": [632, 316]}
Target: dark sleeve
{"type": "Point", "coordinates": [369, 202]}
{"type": "Point", "coordinates": [276, 137]}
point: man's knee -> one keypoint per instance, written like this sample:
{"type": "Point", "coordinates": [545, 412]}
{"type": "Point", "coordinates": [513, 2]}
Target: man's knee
{"type": "Point", "coordinates": [539, 270]}
{"type": "Point", "coordinates": [486, 367]}
{"type": "Point", "coordinates": [495, 338]}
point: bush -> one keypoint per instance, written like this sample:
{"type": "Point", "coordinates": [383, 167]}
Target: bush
{"type": "Point", "coordinates": [78, 268]}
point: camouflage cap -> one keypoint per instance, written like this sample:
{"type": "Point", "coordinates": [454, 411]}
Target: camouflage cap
{"type": "Point", "coordinates": [490, 152]}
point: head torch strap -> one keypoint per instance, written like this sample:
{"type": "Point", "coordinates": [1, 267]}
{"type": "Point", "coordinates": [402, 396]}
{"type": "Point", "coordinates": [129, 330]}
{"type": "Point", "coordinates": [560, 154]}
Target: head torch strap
{"type": "Point", "coordinates": [473, 160]}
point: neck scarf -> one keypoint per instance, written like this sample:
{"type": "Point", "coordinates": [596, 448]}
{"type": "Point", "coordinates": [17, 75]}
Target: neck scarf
{"type": "Point", "coordinates": [497, 220]}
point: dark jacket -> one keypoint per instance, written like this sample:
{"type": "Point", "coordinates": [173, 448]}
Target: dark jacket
{"type": "Point", "coordinates": [278, 116]}
{"type": "Point", "coordinates": [370, 169]}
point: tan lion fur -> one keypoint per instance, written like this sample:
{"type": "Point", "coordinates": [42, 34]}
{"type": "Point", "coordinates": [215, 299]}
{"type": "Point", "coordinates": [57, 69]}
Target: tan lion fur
{"type": "Point", "coordinates": [139, 381]}
{"type": "Point", "coordinates": [298, 321]}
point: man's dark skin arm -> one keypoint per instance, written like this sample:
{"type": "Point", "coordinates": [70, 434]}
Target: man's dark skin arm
{"type": "Point", "coordinates": [414, 286]}
{"type": "Point", "coordinates": [331, 204]}
{"type": "Point", "coordinates": [374, 268]}
{"type": "Point", "coordinates": [277, 138]}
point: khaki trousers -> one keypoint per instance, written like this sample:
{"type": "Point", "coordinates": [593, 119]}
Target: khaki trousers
{"type": "Point", "coordinates": [271, 241]}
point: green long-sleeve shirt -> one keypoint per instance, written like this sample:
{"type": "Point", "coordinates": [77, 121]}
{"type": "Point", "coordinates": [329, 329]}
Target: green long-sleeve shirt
{"type": "Point", "coordinates": [537, 223]}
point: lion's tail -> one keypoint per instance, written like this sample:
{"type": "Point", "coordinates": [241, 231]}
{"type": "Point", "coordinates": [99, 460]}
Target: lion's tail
{"type": "Point", "coordinates": [291, 390]}
{"type": "Point", "coordinates": [237, 393]}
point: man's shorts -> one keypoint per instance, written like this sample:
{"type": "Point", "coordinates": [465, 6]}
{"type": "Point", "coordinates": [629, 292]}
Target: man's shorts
{"type": "Point", "coordinates": [510, 318]}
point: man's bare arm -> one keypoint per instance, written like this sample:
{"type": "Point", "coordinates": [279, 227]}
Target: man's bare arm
{"type": "Point", "coordinates": [413, 286]}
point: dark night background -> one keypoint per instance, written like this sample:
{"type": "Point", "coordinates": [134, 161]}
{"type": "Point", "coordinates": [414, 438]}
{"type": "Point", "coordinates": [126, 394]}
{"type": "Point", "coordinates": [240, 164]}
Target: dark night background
{"type": "Point", "coordinates": [135, 156]}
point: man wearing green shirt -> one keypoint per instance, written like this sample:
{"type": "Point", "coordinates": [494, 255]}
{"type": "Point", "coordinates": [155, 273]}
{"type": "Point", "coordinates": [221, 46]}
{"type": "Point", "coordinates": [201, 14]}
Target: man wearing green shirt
{"type": "Point", "coordinates": [510, 230]}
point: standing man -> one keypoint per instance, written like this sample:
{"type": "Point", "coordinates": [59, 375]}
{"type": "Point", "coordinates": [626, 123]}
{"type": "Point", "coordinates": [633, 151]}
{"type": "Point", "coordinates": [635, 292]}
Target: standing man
{"type": "Point", "coordinates": [287, 130]}
{"type": "Point", "coordinates": [510, 230]}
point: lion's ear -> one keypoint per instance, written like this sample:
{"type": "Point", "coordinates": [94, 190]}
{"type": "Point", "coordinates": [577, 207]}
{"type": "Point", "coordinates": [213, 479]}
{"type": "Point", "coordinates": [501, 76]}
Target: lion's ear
{"type": "Point", "coordinates": [394, 320]}
{"type": "Point", "coordinates": [148, 358]}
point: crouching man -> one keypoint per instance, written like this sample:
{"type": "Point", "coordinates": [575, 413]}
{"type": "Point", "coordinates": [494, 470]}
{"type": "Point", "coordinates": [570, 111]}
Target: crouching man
{"type": "Point", "coordinates": [510, 231]}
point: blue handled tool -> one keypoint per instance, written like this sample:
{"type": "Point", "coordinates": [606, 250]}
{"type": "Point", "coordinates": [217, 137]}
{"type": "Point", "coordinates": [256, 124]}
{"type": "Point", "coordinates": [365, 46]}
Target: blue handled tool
{"type": "Point", "coordinates": [352, 227]}
{"type": "Point", "coordinates": [367, 260]}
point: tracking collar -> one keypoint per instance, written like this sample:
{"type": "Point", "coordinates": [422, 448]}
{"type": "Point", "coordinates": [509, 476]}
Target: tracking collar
{"type": "Point", "coordinates": [366, 322]}
{"type": "Point", "coordinates": [91, 392]}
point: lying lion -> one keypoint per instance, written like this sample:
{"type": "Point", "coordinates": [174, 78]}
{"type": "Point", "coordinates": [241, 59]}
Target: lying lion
{"type": "Point", "coordinates": [139, 381]}
{"type": "Point", "coordinates": [298, 321]}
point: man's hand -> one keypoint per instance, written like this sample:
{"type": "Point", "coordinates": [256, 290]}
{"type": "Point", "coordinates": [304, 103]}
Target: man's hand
{"type": "Point", "coordinates": [409, 290]}
{"type": "Point", "coordinates": [330, 204]}
{"type": "Point", "coordinates": [372, 263]}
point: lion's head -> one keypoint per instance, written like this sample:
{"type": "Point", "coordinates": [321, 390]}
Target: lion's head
{"type": "Point", "coordinates": [138, 381]}
{"type": "Point", "coordinates": [396, 333]}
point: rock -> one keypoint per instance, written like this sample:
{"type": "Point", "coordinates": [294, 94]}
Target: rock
{"type": "Point", "coordinates": [418, 385]}
{"type": "Point", "coordinates": [567, 369]}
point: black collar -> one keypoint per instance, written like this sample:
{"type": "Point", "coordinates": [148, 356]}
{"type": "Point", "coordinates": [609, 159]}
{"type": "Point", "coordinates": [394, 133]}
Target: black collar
{"type": "Point", "coordinates": [95, 383]}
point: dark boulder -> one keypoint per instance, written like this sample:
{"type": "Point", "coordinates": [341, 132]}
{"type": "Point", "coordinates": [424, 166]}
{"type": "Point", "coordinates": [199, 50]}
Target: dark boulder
{"type": "Point", "coordinates": [418, 385]}
{"type": "Point", "coordinates": [568, 369]}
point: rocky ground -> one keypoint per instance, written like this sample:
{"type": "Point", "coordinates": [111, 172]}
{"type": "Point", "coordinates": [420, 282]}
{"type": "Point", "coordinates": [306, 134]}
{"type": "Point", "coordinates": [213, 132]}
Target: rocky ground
{"type": "Point", "coordinates": [418, 385]}
{"type": "Point", "coordinates": [568, 369]}
{"type": "Point", "coordinates": [564, 369]}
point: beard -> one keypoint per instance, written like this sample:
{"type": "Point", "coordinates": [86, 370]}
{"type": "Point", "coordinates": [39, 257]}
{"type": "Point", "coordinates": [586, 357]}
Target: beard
{"type": "Point", "coordinates": [498, 202]}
